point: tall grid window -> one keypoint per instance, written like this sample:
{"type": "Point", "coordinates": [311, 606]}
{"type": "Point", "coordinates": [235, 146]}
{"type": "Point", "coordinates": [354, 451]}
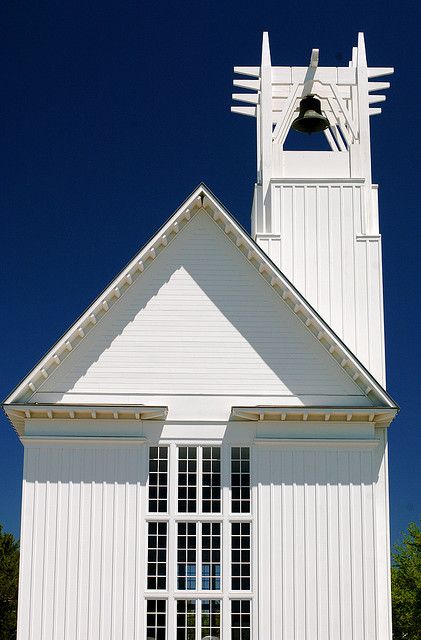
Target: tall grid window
{"type": "Point", "coordinates": [186, 619]}
{"type": "Point", "coordinates": [157, 555]}
{"type": "Point", "coordinates": [211, 556]}
{"type": "Point", "coordinates": [205, 613]}
{"type": "Point", "coordinates": [240, 556]}
{"type": "Point", "coordinates": [240, 619]}
{"type": "Point", "coordinates": [158, 479]}
{"type": "Point", "coordinates": [240, 480]}
{"type": "Point", "coordinates": [187, 479]}
{"type": "Point", "coordinates": [186, 555]}
{"type": "Point", "coordinates": [156, 619]}
{"type": "Point", "coordinates": [211, 479]}
{"type": "Point", "coordinates": [185, 539]}
{"type": "Point", "coordinates": [211, 619]}
{"type": "Point", "coordinates": [199, 541]}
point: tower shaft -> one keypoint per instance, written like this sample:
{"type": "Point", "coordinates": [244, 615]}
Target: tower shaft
{"type": "Point", "coordinates": [315, 213]}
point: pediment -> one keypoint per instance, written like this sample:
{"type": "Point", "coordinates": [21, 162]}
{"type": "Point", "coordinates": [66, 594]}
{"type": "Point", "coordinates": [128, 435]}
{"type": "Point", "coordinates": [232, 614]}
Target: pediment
{"type": "Point", "coordinates": [201, 310]}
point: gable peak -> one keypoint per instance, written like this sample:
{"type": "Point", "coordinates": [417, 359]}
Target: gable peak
{"type": "Point", "coordinates": [200, 200]}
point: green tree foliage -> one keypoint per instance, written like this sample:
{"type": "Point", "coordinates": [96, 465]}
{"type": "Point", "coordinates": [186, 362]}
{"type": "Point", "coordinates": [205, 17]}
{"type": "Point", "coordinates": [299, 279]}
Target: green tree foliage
{"type": "Point", "coordinates": [9, 573]}
{"type": "Point", "coordinates": [406, 586]}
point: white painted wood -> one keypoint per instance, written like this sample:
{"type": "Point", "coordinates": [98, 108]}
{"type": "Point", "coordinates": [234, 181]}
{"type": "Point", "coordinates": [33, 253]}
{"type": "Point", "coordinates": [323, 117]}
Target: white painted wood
{"type": "Point", "coordinates": [325, 251]}
{"type": "Point", "coordinates": [326, 575]}
{"type": "Point", "coordinates": [317, 514]}
{"type": "Point", "coordinates": [201, 198]}
{"type": "Point", "coordinates": [297, 242]}
{"type": "Point", "coordinates": [382, 543]}
{"type": "Point", "coordinates": [310, 73]}
{"type": "Point", "coordinates": [81, 582]}
{"type": "Point", "coordinates": [200, 321]}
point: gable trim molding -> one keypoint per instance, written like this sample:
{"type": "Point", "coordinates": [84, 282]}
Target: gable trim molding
{"type": "Point", "coordinates": [202, 199]}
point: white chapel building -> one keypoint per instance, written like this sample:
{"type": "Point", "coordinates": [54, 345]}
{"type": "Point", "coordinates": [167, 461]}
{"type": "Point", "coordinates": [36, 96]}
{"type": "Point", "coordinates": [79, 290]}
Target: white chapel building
{"type": "Point", "coordinates": [206, 447]}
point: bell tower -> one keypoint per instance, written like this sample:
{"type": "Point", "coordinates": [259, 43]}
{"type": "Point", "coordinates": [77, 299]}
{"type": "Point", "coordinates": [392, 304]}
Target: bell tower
{"type": "Point", "coordinates": [315, 213]}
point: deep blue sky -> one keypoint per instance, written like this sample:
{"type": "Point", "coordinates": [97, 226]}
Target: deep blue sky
{"type": "Point", "coordinates": [112, 112]}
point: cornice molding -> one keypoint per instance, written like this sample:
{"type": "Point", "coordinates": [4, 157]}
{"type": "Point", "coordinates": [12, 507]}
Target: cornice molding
{"type": "Point", "coordinates": [362, 443]}
{"type": "Point", "coordinates": [83, 440]}
{"type": "Point", "coordinates": [379, 416]}
{"type": "Point", "coordinates": [18, 413]}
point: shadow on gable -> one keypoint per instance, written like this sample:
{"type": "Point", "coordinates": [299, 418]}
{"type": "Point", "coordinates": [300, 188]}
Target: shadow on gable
{"type": "Point", "coordinates": [201, 320]}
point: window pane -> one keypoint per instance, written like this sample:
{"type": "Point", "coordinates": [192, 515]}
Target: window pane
{"type": "Point", "coordinates": [158, 479]}
{"type": "Point", "coordinates": [186, 619]}
{"type": "Point", "coordinates": [211, 480]}
{"type": "Point", "coordinates": [187, 479]}
{"type": "Point", "coordinates": [186, 555]}
{"type": "Point", "coordinates": [240, 619]}
{"type": "Point", "coordinates": [240, 480]}
{"type": "Point", "coordinates": [240, 556]}
{"type": "Point", "coordinates": [156, 619]}
{"type": "Point", "coordinates": [211, 556]}
{"type": "Point", "coordinates": [211, 619]}
{"type": "Point", "coordinates": [157, 555]}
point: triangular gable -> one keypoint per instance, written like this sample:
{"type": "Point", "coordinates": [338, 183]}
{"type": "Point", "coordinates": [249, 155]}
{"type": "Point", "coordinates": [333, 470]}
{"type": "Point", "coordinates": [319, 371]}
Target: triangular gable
{"type": "Point", "coordinates": [200, 202]}
{"type": "Point", "coordinates": [200, 322]}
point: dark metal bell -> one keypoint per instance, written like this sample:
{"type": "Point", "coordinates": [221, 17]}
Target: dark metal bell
{"type": "Point", "coordinates": [310, 118]}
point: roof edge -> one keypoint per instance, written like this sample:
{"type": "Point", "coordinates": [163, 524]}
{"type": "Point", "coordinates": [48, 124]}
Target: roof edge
{"type": "Point", "coordinates": [201, 198]}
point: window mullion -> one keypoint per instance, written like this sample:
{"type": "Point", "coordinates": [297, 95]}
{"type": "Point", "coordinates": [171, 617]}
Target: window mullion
{"type": "Point", "coordinates": [172, 539]}
{"type": "Point", "coordinates": [226, 540]}
{"type": "Point", "coordinates": [254, 537]}
{"type": "Point", "coordinates": [199, 480]}
{"type": "Point", "coordinates": [198, 619]}
{"type": "Point", "coordinates": [199, 556]}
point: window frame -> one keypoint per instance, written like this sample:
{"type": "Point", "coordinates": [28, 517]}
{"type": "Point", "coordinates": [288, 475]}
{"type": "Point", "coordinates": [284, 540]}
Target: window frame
{"type": "Point", "coordinates": [225, 517]}
{"type": "Point", "coordinates": [157, 512]}
{"type": "Point", "coordinates": [157, 549]}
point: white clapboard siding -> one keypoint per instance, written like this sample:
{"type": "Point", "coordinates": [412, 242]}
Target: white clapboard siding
{"type": "Point", "coordinates": [320, 239]}
{"type": "Point", "coordinates": [201, 320]}
{"type": "Point", "coordinates": [322, 544]}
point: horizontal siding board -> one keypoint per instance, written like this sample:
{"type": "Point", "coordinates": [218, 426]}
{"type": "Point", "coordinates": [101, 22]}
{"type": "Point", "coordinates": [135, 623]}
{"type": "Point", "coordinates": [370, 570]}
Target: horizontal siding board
{"type": "Point", "coordinates": [200, 319]}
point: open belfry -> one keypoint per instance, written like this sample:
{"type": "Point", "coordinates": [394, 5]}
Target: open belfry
{"type": "Point", "coordinates": [206, 447]}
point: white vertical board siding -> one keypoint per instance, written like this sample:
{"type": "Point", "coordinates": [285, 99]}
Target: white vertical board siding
{"type": "Point", "coordinates": [318, 241]}
{"type": "Point", "coordinates": [81, 573]}
{"type": "Point", "coordinates": [323, 554]}
{"type": "Point", "coordinates": [320, 529]}
{"type": "Point", "coordinates": [199, 320]}
{"type": "Point", "coordinates": [382, 541]}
